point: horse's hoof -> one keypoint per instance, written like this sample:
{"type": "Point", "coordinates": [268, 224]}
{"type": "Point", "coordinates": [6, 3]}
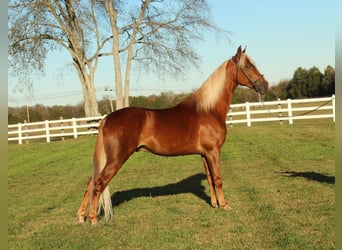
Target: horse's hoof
{"type": "Point", "coordinates": [214, 205]}
{"type": "Point", "coordinates": [93, 222]}
{"type": "Point", "coordinates": [226, 207]}
{"type": "Point", "coordinates": [80, 220]}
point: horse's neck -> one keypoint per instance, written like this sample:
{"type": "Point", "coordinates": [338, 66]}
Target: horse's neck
{"type": "Point", "coordinates": [223, 104]}
{"type": "Point", "coordinates": [216, 93]}
{"type": "Point", "coordinates": [228, 97]}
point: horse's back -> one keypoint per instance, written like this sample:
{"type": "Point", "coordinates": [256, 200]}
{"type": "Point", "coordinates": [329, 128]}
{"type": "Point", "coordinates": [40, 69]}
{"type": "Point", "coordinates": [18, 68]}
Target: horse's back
{"type": "Point", "coordinates": [135, 118]}
{"type": "Point", "coordinates": [174, 131]}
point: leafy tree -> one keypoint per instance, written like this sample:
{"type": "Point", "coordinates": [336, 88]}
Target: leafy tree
{"type": "Point", "coordinates": [242, 94]}
{"type": "Point", "coordinates": [328, 81]}
{"type": "Point", "coordinates": [141, 101]}
{"type": "Point", "coordinates": [313, 85]}
{"type": "Point", "coordinates": [277, 91]}
{"type": "Point", "coordinates": [296, 84]}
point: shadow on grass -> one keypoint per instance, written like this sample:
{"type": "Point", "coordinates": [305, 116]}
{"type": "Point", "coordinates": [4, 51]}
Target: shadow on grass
{"type": "Point", "coordinates": [311, 176]}
{"type": "Point", "coordinates": [191, 184]}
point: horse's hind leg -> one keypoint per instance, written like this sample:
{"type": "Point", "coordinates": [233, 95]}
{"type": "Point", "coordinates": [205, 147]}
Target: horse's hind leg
{"type": "Point", "coordinates": [83, 208]}
{"type": "Point", "coordinates": [101, 181]}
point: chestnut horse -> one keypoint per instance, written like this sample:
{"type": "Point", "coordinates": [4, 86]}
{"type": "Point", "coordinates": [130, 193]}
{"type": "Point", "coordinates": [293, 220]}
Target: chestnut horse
{"type": "Point", "coordinates": [197, 125]}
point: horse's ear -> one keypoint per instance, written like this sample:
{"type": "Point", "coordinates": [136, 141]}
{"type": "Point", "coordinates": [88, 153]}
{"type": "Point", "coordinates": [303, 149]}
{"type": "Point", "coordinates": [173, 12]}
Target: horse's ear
{"type": "Point", "coordinates": [238, 50]}
{"type": "Point", "coordinates": [236, 58]}
{"type": "Point", "coordinates": [244, 50]}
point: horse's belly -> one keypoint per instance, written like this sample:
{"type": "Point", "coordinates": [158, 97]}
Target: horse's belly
{"type": "Point", "coordinates": [170, 132]}
{"type": "Point", "coordinates": [170, 143]}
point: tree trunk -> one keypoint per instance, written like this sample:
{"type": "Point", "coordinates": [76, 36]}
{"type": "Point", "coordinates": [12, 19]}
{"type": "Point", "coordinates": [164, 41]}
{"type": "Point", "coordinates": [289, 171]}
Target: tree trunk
{"type": "Point", "coordinates": [89, 96]}
{"type": "Point", "coordinates": [119, 104]}
{"type": "Point", "coordinates": [127, 80]}
{"type": "Point", "coordinates": [112, 13]}
{"type": "Point", "coordinates": [130, 50]}
{"type": "Point", "coordinates": [89, 93]}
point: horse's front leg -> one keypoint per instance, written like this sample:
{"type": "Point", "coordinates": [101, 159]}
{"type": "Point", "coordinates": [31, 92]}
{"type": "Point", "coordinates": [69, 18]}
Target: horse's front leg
{"type": "Point", "coordinates": [210, 182]}
{"type": "Point", "coordinates": [83, 208]}
{"type": "Point", "coordinates": [213, 160]}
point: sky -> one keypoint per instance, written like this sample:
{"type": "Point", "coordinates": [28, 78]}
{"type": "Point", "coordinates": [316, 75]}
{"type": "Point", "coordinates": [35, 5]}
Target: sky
{"type": "Point", "coordinates": [280, 37]}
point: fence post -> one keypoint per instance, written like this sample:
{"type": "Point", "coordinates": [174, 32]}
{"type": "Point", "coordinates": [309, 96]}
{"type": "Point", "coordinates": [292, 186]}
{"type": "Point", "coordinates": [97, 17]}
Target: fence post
{"type": "Point", "coordinates": [230, 118]}
{"type": "Point", "coordinates": [20, 138]}
{"type": "Point", "coordinates": [333, 106]}
{"type": "Point", "coordinates": [74, 127]}
{"type": "Point", "coordinates": [26, 134]}
{"type": "Point", "coordinates": [280, 114]}
{"type": "Point", "coordinates": [61, 125]}
{"type": "Point", "coordinates": [289, 108]}
{"type": "Point", "coordinates": [248, 114]}
{"type": "Point", "coordinates": [47, 131]}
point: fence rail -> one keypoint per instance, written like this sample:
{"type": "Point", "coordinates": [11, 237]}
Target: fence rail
{"type": "Point", "coordinates": [51, 129]}
{"type": "Point", "coordinates": [282, 110]}
{"type": "Point", "coordinates": [248, 113]}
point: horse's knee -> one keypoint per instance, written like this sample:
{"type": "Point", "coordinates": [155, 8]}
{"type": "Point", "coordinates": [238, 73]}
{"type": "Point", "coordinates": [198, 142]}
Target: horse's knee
{"type": "Point", "coordinates": [218, 182]}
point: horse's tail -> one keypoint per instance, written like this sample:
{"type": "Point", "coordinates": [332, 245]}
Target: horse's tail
{"type": "Point", "coordinates": [99, 163]}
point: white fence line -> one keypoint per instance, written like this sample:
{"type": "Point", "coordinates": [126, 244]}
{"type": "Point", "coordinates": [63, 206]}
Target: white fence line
{"type": "Point", "coordinates": [58, 128]}
{"type": "Point", "coordinates": [282, 110]}
{"type": "Point", "coordinates": [248, 113]}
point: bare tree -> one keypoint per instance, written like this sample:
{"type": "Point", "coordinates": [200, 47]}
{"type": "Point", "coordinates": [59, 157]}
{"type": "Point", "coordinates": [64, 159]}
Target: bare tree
{"type": "Point", "coordinates": [27, 89]}
{"type": "Point", "coordinates": [39, 26]}
{"type": "Point", "coordinates": [156, 34]}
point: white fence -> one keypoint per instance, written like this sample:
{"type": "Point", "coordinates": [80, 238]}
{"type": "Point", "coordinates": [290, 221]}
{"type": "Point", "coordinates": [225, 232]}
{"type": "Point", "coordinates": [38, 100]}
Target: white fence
{"type": "Point", "coordinates": [248, 113]}
{"type": "Point", "coordinates": [282, 110]}
{"type": "Point", "coordinates": [53, 129]}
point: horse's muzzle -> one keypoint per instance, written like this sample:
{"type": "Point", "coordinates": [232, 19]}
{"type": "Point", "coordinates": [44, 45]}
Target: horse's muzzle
{"type": "Point", "coordinates": [261, 86]}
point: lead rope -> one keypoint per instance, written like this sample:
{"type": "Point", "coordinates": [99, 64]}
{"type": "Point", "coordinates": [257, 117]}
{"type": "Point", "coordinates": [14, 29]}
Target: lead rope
{"type": "Point", "coordinates": [262, 102]}
{"type": "Point", "coordinates": [305, 113]}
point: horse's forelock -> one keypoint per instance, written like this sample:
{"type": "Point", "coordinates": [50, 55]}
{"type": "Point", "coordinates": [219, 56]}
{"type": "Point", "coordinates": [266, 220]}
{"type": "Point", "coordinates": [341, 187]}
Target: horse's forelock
{"type": "Point", "coordinates": [243, 59]}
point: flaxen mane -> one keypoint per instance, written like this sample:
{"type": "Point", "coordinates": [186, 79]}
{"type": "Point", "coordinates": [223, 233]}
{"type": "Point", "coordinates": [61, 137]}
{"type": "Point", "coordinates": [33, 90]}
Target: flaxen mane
{"type": "Point", "coordinates": [208, 94]}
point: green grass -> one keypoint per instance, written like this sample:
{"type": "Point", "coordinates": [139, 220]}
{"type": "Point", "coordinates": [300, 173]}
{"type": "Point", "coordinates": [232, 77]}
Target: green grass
{"type": "Point", "coordinates": [278, 179]}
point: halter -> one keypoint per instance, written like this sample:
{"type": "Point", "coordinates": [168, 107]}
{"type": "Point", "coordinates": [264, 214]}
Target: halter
{"type": "Point", "coordinates": [244, 73]}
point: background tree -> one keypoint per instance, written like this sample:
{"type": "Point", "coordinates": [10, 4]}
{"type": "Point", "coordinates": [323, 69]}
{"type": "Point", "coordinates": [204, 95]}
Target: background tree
{"type": "Point", "coordinates": [243, 94]}
{"type": "Point", "coordinates": [157, 35]}
{"type": "Point", "coordinates": [311, 83]}
{"type": "Point", "coordinates": [297, 83]}
{"type": "Point", "coordinates": [328, 81]}
{"type": "Point", "coordinates": [277, 91]}
{"type": "Point", "coordinates": [27, 89]}
{"type": "Point", "coordinates": [37, 27]}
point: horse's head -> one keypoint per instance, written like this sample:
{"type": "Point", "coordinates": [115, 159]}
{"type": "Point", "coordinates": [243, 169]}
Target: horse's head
{"type": "Point", "coordinates": [247, 73]}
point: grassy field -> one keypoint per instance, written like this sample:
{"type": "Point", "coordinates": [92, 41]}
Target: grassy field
{"type": "Point", "coordinates": [278, 179]}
